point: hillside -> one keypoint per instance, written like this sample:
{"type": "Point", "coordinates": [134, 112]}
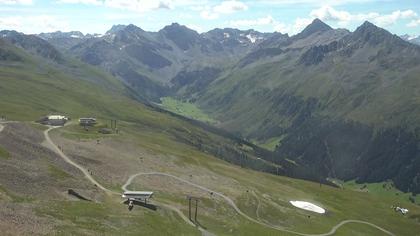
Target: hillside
{"type": "Point", "coordinates": [318, 86]}
{"type": "Point", "coordinates": [152, 62]}
{"type": "Point", "coordinates": [344, 103]}
{"type": "Point", "coordinates": [158, 151]}
{"type": "Point", "coordinates": [34, 85]}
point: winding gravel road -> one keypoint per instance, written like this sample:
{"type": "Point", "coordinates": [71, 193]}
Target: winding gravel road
{"type": "Point", "coordinates": [130, 179]}
{"type": "Point", "coordinates": [50, 144]}
{"type": "Point", "coordinates": [5, 122]}
{"type": "Point", "coordinates": [257, 211]}
{"type": "Point", "coordinates": [232, 203]}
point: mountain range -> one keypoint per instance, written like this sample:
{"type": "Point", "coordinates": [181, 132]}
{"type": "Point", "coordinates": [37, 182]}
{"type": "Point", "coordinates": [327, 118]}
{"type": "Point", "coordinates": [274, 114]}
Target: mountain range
{"type": "Point", "coordinates": [38, 79]}
{"type": "Point", "coordinates": [342, 104]}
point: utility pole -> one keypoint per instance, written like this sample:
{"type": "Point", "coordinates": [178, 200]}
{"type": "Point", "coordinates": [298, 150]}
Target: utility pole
{"type": "Point", "coordinates": [189, 208]}
{"type": "Point", "coordinates": [196, 207]}
{"type": "Point", "coordinates": [114, 124]}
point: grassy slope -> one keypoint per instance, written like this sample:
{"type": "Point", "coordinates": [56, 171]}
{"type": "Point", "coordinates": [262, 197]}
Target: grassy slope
{"type": "Point", "coordinates": [274, 192]}
{"type": "Point", "coordinates": [110, 218]}
{"type": "Point", "coordinates": [304, 102]}
{"type": "Point", "coordinates": [4, 153]}
{"type": "Point", "coordinates": [30, 90]}
{"type": "Point", "coordinates": [269, 144]}
{"type": "Point", "coordinates": [383, 189]}
{"type": "Point", "coordinates": [348, 88]}
{"type": "Point", "coordinates": [185, 109]}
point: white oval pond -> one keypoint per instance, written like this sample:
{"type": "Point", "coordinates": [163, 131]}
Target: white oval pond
{"type": "Point", "coordinates": [308, 206]}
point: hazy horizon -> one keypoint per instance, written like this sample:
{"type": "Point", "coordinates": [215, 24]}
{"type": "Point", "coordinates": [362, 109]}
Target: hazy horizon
{"type": "Point", "coordinates": [285, 16]}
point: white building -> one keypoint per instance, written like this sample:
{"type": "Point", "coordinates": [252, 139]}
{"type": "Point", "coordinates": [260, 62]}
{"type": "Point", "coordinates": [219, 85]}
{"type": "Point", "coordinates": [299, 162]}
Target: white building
{"type": "Point", "coordinates": [57, 117]}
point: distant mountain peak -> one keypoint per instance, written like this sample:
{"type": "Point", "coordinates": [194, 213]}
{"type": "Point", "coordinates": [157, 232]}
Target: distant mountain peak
{"type": "Point", "coordinates": [181, 35]}
{"type": "Point", "coordinates": [175, 24]}
{"type": "Point", "coordinates": [368, 32]}
{"type": "Point", "coordinates": [116, 28]}
{"type": "Point", "coordinates": [32, 43]}
{"type": "Point", "coordinates": [177, 27]}
{"type": "Point", "coordinates": [132, 27]}
{"type": "Point", "coordinates": [6, 33]}
{"type": "Point", "coordinates": [60, 34]}
{"type": "Point", "coordinates": [316, 26]}
{"type": "Point", "coordinates": [367, 25]}
{"type": "Point", "coordinates": [124, 33]}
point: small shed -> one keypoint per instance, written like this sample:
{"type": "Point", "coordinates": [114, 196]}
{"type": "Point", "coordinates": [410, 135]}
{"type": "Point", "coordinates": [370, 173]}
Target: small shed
{"type": "Point", "coordinates": [105, 131]}
{"type": "Point", "coordinates": [88, 121]}
{"type": "Point", "coordinates": [55, 120]}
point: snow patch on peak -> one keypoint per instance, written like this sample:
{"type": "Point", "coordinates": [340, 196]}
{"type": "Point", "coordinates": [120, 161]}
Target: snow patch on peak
{"type": "Point", "coordinates": [251, 38]}
{"type": "Point", "coordinates": [254, 38]}
{"type": "Point", "coordinates": [411, 37]}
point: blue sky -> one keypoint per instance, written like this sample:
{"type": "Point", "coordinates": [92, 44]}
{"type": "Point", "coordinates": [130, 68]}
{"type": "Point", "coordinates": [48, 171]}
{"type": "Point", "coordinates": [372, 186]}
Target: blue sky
{"type": "Point", "coordinates": [286, 16]}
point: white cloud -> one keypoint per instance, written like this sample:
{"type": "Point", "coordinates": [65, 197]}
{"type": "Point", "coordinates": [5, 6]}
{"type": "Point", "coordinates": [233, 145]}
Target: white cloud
{"type": "Point", "coordinates": [34, 24]}
{"type": "Point", "coordinates": [226, 7]}
{"type": "Point", "coordinates": [17, 2]}
{"type": "Point", "coordinates": [130, 5]}
{"type": "Point", "coordinates": [10, 23]}
{"type": "Point", "coordinates": [209, 15]}
{"type": "Point", "coordinates": [392, 18]}
{"type": "Point", "coordinates": [120, 16]}
{"type": "Point", "coordinates": [268, 20]}
{"type": "Point", "coordinates": [197, 8]}
{"type": "Point", "coordinates": [328, 13]}
{"type": "Point", "coordinates": [138, 5]}
{"type": "Point", "coordinates": [281, 27]}
{"type": "Point", "coordinates": [314, 2]}
{"type": "Point", "coordinates": [344, 18]}
{"type": "Point", "coordinates": [87, 2]}
{"type": "Point", "coordinates": [48, 23]}
{"type": "Point", "coordinates": [300, 24]}
{"type": "Point", "coordinates": [414, 23]}
{"type": "Point", "coordinates": [297, 26]}
{"type": "Point", "coordinates": [197, 28]}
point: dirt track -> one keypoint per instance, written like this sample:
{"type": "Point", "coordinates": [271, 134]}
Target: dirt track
{"type": "Point", "coordinates": [232, 203]}
{"type": "Point", "coordinates": [50, 144]}
{"type": "Point", "coordinates": [56, 149]}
